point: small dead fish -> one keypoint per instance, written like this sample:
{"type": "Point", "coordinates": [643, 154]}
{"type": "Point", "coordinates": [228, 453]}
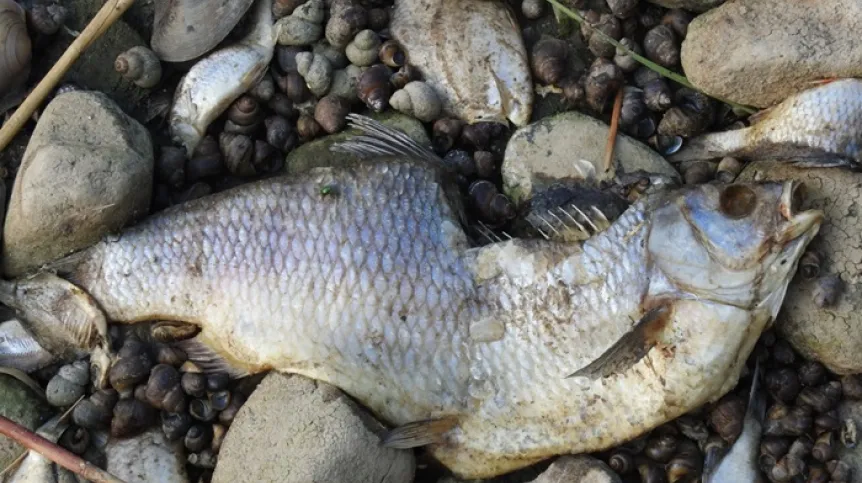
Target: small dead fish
{"type": "Point", "coordinates": [821, 126]}
{"type": "Point", "coordinates": [468, 349]}
{"type": "Point", "coordinates": [740, 463]}
{"type": "Point", "coordinates": [218, 79]}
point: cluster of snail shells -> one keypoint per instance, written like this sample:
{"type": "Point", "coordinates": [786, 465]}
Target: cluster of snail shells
{"type": "Point", "coordinates": [344, 36]}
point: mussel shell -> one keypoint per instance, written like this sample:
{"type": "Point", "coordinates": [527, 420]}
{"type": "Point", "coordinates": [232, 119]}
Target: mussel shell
{"type": "Point", "coordinates": [186, 29]}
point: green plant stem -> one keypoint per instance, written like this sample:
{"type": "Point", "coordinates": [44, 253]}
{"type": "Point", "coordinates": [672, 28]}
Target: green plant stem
{"type": "Point", "coordinates": [643, 60]}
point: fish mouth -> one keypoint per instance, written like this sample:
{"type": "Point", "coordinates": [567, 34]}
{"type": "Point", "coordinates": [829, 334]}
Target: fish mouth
{"type": "Point", "coordinates": [798, 224]}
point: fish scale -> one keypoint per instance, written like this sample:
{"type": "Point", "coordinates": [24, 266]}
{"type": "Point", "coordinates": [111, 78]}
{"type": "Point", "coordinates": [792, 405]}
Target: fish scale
{"type": "Point", "coordinates": [498, 356]}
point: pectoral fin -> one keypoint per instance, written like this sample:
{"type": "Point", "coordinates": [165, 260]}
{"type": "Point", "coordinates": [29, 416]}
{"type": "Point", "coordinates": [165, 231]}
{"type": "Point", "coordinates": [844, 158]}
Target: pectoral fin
{"type": "Point", "coordinates": [419, 433]}
{"type": "Point", "coordinates": [630, 348]}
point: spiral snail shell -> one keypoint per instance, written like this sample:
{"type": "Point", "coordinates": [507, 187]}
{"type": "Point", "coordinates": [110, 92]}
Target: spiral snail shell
{"type": "Point", "coordinates": [14, 45]}
{"type": "Point", "coordinates": [139, 65]}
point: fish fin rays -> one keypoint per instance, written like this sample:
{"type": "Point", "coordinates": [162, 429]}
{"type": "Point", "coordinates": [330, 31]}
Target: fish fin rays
{"type": "Point", "coordinates": [756, 397]}
{"type": "Point", "coordinates": [378, 139]}
{"type": "Point", "coordinates": [418, 433]}
{"type": "Point", "coordinates": [208, 360]}
{"type": "Point", "coordinates": [630, 348]}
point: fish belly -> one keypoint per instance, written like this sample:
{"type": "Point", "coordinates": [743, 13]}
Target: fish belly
{"type": "Point", "coordinates": [351, 276]}
{"type": "Point", "coordinates": [703, 346]}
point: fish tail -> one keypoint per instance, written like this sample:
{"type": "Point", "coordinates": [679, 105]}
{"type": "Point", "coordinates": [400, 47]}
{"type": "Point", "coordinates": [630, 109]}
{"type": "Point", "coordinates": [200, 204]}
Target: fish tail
{"type": "Point", "coordinates": [710, 146]}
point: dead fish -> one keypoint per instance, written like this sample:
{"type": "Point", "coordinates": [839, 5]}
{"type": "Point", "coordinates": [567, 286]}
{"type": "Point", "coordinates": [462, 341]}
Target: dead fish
{"type": "Point", "coordinates": [740, 463]}
{"type": "Point", "coordinates": [218, 79]}
{"type": "Point", "coordinates": [821, 126]}
{"type": "Point", "coordinates": [471, 53]}
{"type": "Point", "coordinates": [362, 276]}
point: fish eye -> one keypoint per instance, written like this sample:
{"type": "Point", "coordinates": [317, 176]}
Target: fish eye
{"type": "Point", "coordinates": [737, 201]}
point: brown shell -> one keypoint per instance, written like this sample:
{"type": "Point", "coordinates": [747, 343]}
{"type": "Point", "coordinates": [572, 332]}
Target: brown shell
{"type": "Point", "coordinates": [16, 46]}
{"type": "Point", "coordinates": [186, 29]}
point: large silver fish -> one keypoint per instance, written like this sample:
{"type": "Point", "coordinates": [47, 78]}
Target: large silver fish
{"type": "Point", "coordinates": [497, 356]}
{"type": "Point", "coordinates": [821, 126]}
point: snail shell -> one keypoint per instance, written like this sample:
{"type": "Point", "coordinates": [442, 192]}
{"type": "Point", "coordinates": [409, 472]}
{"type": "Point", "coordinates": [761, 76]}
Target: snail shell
{"type": "Point", "coordinates": [68, 385]}
{"type": "Point", "coordinates": [302, 27]}
{"type": "Point", "coordinates": [15, 46]}
{"type": "Point", "coordinates": [604, 78]}
{"type": "Point", "coordinates": [392, 54]}
{"type": "Point", "coordinates": [280, 133]}
{"type": "Point", "coordinates": [176, 425]}
{"type": "Point", "coordinates": [307, 127]}
{"type": "Point", "coordinates": [331, 113]}
{"type": "Point", "coordinates": [316, 70]}
{"type": "Point", "coordinates": [263, 90]}
{"type": "Point", "coordinates": [345, 82]}
{"type": "Point", "coordinates": [164, 391]}
{"type": "Point", "coordinates": [95, 412]}
{"type": "Point", "coordinates": [344, 23]}
{"type": "Point", "coordinates": [131, 417]}
{"type": "Point", "coordinates": [238, 151]}
{"type": "Point", "coordinates": [548, 60]}
{"type": "Point", "coordinates": [626, 62]}
{"type": "Point", "coordinates": [374, 87]}
{"type": "Point", "coordinates": [419, 100]}
{"type": "Point", "coordinates": [403, 76]}
{"type": "Point", "coordinates": [139, 65]}
{"type": "Point", "coordinates": [661, 46]}
{"type": "Point", "coordinates": [245, 111]}
{"type": "Point", "coordinates": [364, 49]}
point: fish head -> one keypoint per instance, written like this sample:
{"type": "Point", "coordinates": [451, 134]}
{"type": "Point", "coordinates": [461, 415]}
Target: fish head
{"type": "Point", "coordinates": [735, 244]}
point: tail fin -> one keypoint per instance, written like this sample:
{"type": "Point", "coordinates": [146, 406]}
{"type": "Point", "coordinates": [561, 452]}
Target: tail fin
{"type": "Point", "coordinates": [710, 146]}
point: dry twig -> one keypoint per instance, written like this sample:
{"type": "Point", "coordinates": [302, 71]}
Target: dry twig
{"type": "Point", "coordinates": [54, 452]}
{"type": "Point", "coordinates": [612, 134]}
{"type": "Point", "coordinates": [107, 15]}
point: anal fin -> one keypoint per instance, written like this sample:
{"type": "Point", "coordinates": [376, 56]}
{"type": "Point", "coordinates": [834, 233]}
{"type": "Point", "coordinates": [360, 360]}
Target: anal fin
{"type": "Point", "coordinates": [630, 348]}
{"type": "Point", "coordinates": [205, 355]}
{"type": "Point", "coordinates": [419, 433]}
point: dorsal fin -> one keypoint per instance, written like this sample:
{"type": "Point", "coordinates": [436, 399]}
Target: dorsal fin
{"type": "Point", "coordinates": [380, 140]}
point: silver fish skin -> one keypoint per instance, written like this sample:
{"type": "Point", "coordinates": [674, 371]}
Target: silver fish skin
{"type": "Point", "coordinates": [820, 126]}
{"type": "Point", "coordinates": [362, 277]}
{"type": "Point", "coordinates": [740, 464]}
{"type": "Point", "coordinates": [218, 79]}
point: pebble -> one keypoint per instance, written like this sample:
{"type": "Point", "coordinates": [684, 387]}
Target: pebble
{"type": "Point", "coordinates": [570, 146]}
{"type": "Point", "coordinates": [759, 52]}
{"type": "Point", "coordinates": [87, 171]}
{"type": "Point", "coordinates": [146, 457]}
{"type": "Point", "coordinates": [316, 153]}
{"type": "Point", "coordinates": [294, 429]}
{"type": "Point", "coordinates": [578, 469]}
{"type": "Point", "coordinates": [831, 334]}
{"type": "Point", "coordinates": [20, 404]}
